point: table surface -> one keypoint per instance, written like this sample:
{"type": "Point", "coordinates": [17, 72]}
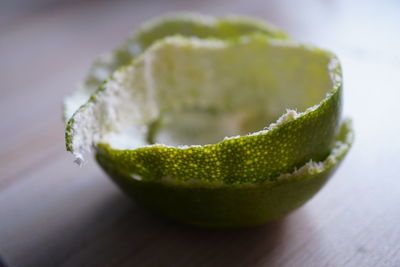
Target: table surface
{"type": "Point", "coordinates": [53, 213]}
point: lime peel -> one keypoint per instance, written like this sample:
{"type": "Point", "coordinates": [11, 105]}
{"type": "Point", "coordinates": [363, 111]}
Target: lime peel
{"type": "Point", "coordinates": [213, 110]}
{"type": "Point", "coordinates": [341, 146]}
{"type": "Point", "coordinates": [219, 205]}
{"type": "Point", "coordinates": [112, 110]}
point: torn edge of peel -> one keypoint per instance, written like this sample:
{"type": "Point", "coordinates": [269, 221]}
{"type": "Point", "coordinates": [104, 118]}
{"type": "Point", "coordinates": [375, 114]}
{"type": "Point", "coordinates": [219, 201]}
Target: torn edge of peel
{"type": "Point", "coordinates": [84, 90]}
{"type": "Point", "coordinates": [339, 149]}
{"type": "Point", "coordinates": [79, 159]}
{"type": "Point", "coordinates": [317, 167]}
{"type": "Point", "coordinates": [84, 135]}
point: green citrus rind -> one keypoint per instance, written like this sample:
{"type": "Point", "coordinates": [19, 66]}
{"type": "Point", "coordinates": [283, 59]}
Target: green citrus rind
{"type": "Point", "coordinates": [235, 205]}
{"type": "Point", "coordinates": [245, 179]}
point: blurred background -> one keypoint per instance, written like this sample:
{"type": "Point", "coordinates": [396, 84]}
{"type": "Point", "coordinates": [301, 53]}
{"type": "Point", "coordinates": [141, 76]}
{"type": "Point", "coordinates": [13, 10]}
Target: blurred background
{"type": "Point", "coordinates": [53, 213]}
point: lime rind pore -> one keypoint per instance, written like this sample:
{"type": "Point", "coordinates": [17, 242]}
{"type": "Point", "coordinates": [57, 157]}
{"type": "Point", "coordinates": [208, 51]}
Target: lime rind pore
{"type": "Point", "coordinates": [261, 156]}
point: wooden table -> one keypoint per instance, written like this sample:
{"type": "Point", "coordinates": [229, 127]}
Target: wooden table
{"type": "Point", "coordinates": [53, 213]}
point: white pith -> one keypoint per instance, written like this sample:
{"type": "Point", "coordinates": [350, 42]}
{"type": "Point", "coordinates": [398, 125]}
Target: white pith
{"type": "Point", "coordinates": [89, 127]}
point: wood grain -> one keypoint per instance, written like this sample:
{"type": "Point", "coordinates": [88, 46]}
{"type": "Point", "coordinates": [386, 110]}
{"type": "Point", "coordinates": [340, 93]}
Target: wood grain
{"type": "Point", "coordinates": [53, 213]}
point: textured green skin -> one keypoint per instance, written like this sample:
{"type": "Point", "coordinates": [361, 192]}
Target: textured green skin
{"type": "Point", "coordinates": [281, 150]}
{"type": "Point", "coordinates": [234, 182]}
{"type": "Point", "coordinates": [249, 158]}
{"type": "Point", "coordinates": [208, 205]}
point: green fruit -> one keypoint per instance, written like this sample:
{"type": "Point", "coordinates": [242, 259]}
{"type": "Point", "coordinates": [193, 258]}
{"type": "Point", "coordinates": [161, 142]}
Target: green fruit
{"type": "Point", "coordinates": [226, 78]}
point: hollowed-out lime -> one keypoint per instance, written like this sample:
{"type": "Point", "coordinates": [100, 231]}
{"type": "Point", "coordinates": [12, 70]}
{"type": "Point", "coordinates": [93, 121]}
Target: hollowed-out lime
{"type": "Point", "coordinates": [213, 122]}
